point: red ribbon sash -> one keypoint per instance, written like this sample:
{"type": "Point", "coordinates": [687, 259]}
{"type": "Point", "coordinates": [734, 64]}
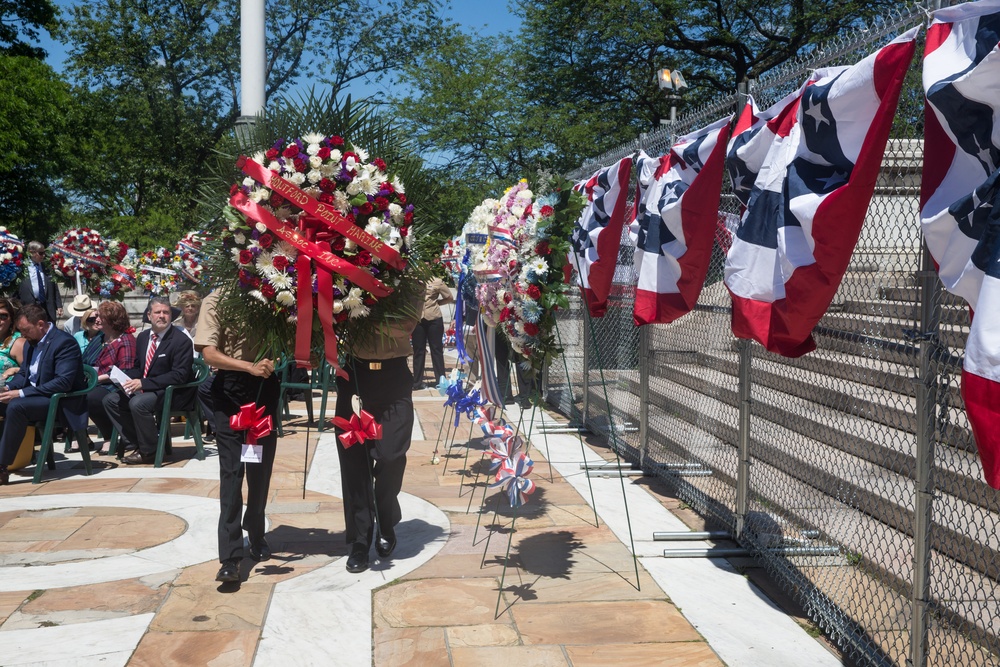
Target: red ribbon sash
{"type": "Point", "coordinates": [331, 217]}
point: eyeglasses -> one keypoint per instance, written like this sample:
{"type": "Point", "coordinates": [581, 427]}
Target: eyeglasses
{"type": "Point", "coordinates": [91, 320]}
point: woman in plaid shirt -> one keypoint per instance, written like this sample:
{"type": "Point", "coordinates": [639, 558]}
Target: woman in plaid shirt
{"type": "Point", "coordinates": [119, 350]}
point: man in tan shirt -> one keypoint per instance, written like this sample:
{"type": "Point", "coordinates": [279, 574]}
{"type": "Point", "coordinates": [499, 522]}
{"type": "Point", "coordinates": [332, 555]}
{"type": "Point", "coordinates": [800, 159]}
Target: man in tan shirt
{"type": "Point", "coordinates": [245, 376]}
{"type": "Point", "coordinates": [372, 472]}
{"type": "Point", "coordinates": [430, 331]}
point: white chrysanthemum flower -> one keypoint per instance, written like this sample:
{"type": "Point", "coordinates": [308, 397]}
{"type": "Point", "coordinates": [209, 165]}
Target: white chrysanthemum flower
{"type": "Point", "coordinates": [274, 165]}
{"type": "Point", "coordinates": [298, 178]}
{"type": "Point", "coordinates": [259, 157]}
{"type": "Point", "coordinates": [338, 306]}
{"type": "Point", "coordinates": [236, 254]}
{"type": "Point", "coordinates": [285, 298]}
{"type": "Point", "coordinates": [354, 187]}
{"type": "Point", "coordinates": [362, 154]}
{"type": "Point", "coordinates": [398, 185]}
{"type": "Point", "coordinates": [329, 169]}
{"type": "Point", "coordinates": [257, 295]}
{"type": "Point", "coordinates": [354, 298]}
{"type": "Point", "coordinates": [368, 185]}
{"type": "Point", "coordinates": [314, 176]}
{"type": "Point", "coordinates": [265, 262]}
{"type": "Point", "coordinates": [340, 285]}
{"type": "Point", "coordinates": [280, 280]}
{"type": "Point", "coordinates": [288, 250]}
{"type": "Point", "coordinates": [315, 161]}
{"type": "Point", "coordinates": [259, 195]}
{"type": "Point", "coordinates": [360, 311]}
{"type": "Point", "coordinates": [519, 327]}
{"type": "Point", "coordinates": [396, 212]}
{"type": "Point", "coordinates": [313, 137]}
{"type": "Point", "coordinates": [340, 201]}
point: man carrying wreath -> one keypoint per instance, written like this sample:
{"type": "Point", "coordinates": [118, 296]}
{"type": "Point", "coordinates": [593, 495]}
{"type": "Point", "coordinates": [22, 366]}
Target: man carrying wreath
{"type": "Point", "coordinates": [244, 377]}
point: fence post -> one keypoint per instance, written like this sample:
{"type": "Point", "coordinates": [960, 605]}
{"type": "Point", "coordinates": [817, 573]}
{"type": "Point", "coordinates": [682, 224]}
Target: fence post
{"type": "Point", "coordinates": [585, 335]}
{"type": "Point", "coordinates": [745, 350]}
{"type": "Point", "coordinates": [927, 388]}
{"type": "Point", "coordinates": [644, 361]}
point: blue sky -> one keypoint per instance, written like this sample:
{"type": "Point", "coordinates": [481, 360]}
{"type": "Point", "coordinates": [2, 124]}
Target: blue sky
{"type": "Point", "coordinates": [487, 17]}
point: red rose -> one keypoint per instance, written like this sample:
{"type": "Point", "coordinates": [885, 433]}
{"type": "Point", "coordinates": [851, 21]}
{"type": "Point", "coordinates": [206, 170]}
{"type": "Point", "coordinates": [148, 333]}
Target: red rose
{"type": "Point", "coordinates": [530, 329]}
{"type": "Point", "coordinates": [255, 282]}
{"type": "Point", "coordinates": [234, 189]}
{"type": "Point", "coordinates": [323, 152]}
{"type": "Point", "coordinates": [547, 211]}
{"type": "Point", "coordinates": [326, 185]}
{"type": "Point", "coordinates": [402, 198]}
{"type": "Point", "coordinates": [267, 290]}
{"type": "Point", "coordinates": [543, 248]}
{"type": "Point", "coordinates": [408, 217]}
{"type": "Point", "coordinates": [300, 165]}
{"type": "Point", "coordinates": [291, 151]}
{"type": "Point", "coordinates": [527, 211]}
{"type": "Point", "coordinates": [382, 203]}
{"type": "Point", "coordinates": [512, 264]}
{"type": "Point", "coordinates": [404, 231]}
{"type": "Point", "coordinates": [534, 292]}
{"type": "Point", "coordinates": [276, 200]}
{"type": "Point", "coordinates": [507, 298]}
{"type": "Point", "coordinates": [265, 240]}
{"type": "Point", "coordinates": [364, 258]}
{"type": "Point", "coordinates": [338, 244]}
{"type": "Point", "coordinates": [280, 262]}
{"type": "Point", "coordinates": [506, 314]}
{"type": "Point", "coordinates": [380, 163]}
{"type": "Point", "coordinates": [369, 300]}
{"type": "Point", "coordinates": [326, 198]}
{"type": "Point", "coordinates": [340, 317]}
{"type": "Point", "coordinates": [246, 257]}
{"type": "Point", "coordinates": [271, 153]}
{"type": "Point", "coordinates": [336, 141]}
{"type": "Point", "coordinates": [387, 187]}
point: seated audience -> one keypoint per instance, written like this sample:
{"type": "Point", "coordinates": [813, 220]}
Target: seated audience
{"type": "Point", "coordinates": [90, 338]}
{"type": "Point", "coordinates": [11, 342]}
{"type": "Point", "coordinates": [118, 350]}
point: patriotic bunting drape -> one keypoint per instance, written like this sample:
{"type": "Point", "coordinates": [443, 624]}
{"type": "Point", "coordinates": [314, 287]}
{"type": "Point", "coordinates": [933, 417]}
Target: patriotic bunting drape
{"type": "Point", "coordinates": [675, 223]}
{"type": "Point", "coordinates": [598, 234]}
{"type": "Point", "coordinates": [960, 199]}
{"type": "Point", "coordinates": [812, 161]}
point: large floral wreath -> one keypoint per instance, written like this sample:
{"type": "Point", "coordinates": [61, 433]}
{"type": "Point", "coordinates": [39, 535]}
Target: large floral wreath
{"type": "Point", "coordinates": [80, 251]}
{"type": "Point", "coordinates": [188, 260]}
{"type": "Point", "coordinates": [11, 257]}
{"type": "Point", "coordinates": [512, 224]}
{"type": "Point", "coordinates": [319, 202]}
{"type": "Point", "coordinates": [120, 278]}
{"type": "Point", "coordinates": [154, 272]}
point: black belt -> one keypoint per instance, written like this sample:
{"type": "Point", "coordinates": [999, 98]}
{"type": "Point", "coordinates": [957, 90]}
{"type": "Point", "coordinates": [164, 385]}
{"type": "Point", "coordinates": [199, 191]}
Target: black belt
{"type": "Point", "coordinates": [378, 364]}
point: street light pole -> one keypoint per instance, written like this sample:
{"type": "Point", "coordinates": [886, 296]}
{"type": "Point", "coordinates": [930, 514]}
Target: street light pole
{"type": "Point", "coordinates": [253, 66]}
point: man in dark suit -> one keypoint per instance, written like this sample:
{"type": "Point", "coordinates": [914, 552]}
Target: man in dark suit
{"type": "Point", "coordinates": [52, 364]}
{"type": "Point", "coordinates": [163, 356]}
{"type": "Point", "coordinates": [38, 286]}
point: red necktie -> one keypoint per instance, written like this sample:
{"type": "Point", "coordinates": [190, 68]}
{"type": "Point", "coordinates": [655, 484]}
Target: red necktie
{"type": "Point", "coordinates": [149, 354]}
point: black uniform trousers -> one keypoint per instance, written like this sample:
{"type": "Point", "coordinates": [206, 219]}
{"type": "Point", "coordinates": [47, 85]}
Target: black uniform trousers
{"type": "Point", "coordinates": [428, 333]}
{"type": "Point", "coordinates": [230, 390]}
{"type": "Point", "coordinates": [371, 473]}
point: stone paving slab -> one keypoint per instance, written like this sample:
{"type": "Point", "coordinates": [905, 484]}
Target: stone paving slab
{"type": "Point", "coordinates": [140, 589]}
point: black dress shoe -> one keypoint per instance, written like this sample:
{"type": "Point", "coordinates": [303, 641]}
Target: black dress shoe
{"type": "Point", "coordinates": [358, 560]}
{"type": "Point", "coordinates": [229, 572]}
{"type": "Point", "coordinates": [209, 436]}
{"type": "Point", "coordinates": [137, 458]}
{"type": "Point", "coordinates": [4, 476]}
{"type": "Point", "coordinates": [260, 550]}
{"type": "Point", "coordinates": [386, 544]}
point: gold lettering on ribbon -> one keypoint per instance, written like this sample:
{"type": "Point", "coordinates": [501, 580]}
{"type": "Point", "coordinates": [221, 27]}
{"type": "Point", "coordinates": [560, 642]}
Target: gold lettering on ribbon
{"type": "Point", "coordinates": [288, 191]}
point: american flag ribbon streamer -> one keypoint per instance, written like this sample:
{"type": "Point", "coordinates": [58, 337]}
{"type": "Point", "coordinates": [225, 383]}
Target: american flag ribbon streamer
{"type": "Point", "coordinates": [819, 155]}
{"type": "Point", "coordinates": [677, 215]}
{"type": "Point", "coordinates": [598, 234]}
{"type": "Point", "coordinates": [486, 337]}
{"type": "Point", "coordinates": [960, 197]}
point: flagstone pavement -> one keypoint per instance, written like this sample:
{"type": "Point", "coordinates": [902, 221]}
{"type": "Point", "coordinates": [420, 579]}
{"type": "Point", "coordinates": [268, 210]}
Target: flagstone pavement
{"type": "Point", "coordinates": [118, 569]}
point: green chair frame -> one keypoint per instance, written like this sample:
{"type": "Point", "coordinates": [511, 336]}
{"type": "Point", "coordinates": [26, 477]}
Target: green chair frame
{"type": "Point", "coordinates": [191, 416]}
{"type": "Point", "coordinates": [45, 452]}
{"type": "Point", "coordinates": [320, 379]}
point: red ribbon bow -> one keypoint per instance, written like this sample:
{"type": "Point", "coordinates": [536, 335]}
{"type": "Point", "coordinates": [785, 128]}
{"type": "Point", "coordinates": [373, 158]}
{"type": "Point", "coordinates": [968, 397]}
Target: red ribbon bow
{"type": "Point", "coordinates": [250, 419]}
{"type": "Point", "coordinates": [358, 429]}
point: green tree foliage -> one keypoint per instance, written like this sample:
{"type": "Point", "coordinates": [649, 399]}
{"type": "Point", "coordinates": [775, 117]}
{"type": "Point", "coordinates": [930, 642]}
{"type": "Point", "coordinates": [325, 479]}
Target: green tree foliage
{"type": "Point", "coordinates": [32, 131]}
{"type": "Point", "coordinates": [20, 25]}
{"type": "Point", "coordinates": [159, 82]}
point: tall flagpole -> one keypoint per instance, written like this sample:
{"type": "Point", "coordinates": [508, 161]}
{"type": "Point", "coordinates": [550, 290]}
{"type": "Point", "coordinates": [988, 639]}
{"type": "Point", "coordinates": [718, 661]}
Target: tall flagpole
{"type": "Point", "coordinates": [253, 65]}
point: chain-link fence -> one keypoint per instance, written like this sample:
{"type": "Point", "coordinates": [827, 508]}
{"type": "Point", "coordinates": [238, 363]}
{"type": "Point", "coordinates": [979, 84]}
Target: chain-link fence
{"type": "Point", "coordinates": [851, 472]}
